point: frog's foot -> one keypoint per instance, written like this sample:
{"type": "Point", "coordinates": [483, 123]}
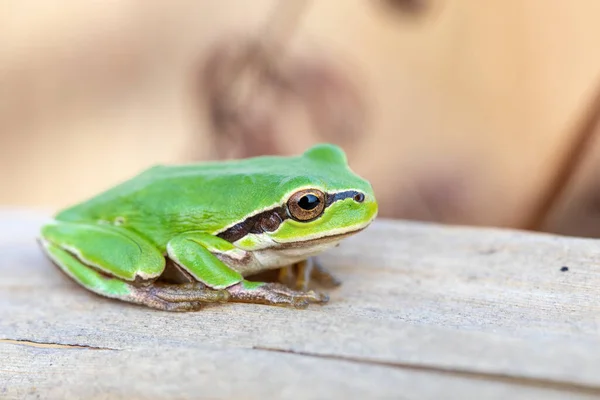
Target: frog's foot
{"type": "Point", "coordinates": [273, 294]}
{"type": "Point", "coordinates": [177, 297]}
{"type": "Point", "coordinates": [299, 275]}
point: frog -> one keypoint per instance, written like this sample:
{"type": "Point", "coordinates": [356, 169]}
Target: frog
{"type": "Point", "coordinates": [178, 237]}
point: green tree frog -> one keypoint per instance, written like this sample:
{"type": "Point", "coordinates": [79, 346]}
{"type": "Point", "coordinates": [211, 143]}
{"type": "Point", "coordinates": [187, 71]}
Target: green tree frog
{"type": "Point", "coordinates": [178, 237]}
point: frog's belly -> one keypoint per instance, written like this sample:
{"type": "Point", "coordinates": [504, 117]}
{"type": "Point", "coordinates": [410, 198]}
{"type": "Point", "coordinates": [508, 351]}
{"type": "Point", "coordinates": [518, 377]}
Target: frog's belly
{"type": "Point", "coordinates": [280, 257]}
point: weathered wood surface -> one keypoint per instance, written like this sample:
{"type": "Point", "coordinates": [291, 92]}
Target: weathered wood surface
{"type": "Point", "coordinates": [425, 312]}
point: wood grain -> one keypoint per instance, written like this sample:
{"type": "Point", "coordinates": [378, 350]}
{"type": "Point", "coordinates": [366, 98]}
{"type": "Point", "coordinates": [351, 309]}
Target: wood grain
{"type": "Point", "coordinates": [425, 312]}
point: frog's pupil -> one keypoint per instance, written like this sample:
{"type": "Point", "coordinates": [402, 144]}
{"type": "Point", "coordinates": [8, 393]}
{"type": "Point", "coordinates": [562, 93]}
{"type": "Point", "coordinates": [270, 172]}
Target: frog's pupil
{"type": "Point", "coordinates": [308, 202]}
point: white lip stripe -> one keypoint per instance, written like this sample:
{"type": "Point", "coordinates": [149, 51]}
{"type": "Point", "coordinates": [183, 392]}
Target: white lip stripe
{"type": "Point", "coordinates": [333, 232]}
{"type": "Point", "coordinates": [264, 241]}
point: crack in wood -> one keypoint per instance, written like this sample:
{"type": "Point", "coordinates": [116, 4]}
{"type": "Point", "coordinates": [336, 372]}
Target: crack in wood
{"type": "Point", "coordinates": [532, 382]}
{"type": "Point", "coordinates": [50, 345]}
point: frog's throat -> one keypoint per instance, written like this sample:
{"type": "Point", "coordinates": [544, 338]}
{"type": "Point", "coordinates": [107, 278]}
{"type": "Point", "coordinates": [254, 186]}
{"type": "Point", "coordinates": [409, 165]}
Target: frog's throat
{"type": "Point", "coordinates": [269, 220]}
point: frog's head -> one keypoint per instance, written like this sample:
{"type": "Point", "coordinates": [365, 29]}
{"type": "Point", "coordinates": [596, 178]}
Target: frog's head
{"type": "Point", "coordinates": [320, 201]}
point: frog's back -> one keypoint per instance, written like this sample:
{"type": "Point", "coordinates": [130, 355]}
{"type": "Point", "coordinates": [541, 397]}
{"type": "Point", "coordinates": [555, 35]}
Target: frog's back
{"type": "Point", "coordinates": [128, 193]}
{"type": "Point", "coordinates": [170, 189]}
{"type": "Point", "coordinates": [213, 195]}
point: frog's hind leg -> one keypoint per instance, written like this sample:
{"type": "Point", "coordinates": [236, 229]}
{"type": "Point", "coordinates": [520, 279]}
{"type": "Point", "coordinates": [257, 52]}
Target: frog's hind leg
{"type": "Point", "coordinates": [119, 264]}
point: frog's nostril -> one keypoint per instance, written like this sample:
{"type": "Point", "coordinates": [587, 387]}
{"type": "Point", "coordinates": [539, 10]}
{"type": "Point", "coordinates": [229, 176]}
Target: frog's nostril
{"type": "Point", "coordinates": [359, 197]}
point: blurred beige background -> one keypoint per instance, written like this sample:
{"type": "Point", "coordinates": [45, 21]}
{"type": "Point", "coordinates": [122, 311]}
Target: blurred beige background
{"type": "Point", "coordinates": [457, 111]}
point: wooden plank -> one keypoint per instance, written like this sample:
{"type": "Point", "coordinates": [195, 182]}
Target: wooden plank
{"type": "Point", "coordinates": [425, 311]}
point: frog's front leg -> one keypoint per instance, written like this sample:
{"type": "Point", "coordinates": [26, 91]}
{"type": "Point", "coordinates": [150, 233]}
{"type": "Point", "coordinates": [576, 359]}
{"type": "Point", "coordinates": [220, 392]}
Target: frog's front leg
{"type": "Point", "coordinates": [207, 258]}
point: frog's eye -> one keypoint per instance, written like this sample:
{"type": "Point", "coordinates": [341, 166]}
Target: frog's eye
{"type": "Point", "coordinates": [306, 205]}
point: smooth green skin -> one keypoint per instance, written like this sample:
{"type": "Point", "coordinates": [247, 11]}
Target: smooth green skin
{"type": "Point", "coordinates": [123, 235]}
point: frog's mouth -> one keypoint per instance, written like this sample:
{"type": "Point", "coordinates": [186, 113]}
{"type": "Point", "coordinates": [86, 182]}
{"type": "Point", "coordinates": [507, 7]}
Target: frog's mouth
{"type": "Point", "coordinates": [316, 241]}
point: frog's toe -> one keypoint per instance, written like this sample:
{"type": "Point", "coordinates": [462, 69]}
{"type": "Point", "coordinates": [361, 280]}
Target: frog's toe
{"type": "Point", "coordinates": [275, 294]}
{"type": "Point", "coordinates": [311, 296]}
{"type": "Point", "coordinates": [317, 297]}
{"type": "Point", "coordinates": [184, 306]}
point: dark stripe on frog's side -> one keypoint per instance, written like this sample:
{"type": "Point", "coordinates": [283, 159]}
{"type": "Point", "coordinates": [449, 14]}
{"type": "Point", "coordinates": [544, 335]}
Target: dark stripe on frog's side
{"type": "Point", "coordinates": [266, 221]}
{"type": "Point", "coordinates": [269, 220]}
